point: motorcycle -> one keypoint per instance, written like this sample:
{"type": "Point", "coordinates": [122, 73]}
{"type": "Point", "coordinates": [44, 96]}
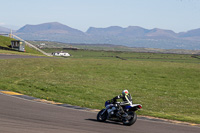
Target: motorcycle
{"type": "Point", "coordinates": [113, 112]}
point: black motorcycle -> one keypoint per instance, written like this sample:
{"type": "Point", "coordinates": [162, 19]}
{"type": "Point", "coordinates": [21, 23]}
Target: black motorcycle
{"type": "Point", "coordinates": [119, 112]}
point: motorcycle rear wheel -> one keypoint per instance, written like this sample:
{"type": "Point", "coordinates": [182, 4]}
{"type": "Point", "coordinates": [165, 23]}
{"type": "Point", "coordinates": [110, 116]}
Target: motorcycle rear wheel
{"type": "Point", "coordinates": [132, 120]}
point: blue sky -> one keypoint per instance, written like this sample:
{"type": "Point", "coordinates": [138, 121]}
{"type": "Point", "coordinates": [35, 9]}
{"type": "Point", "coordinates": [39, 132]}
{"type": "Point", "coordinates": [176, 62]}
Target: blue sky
{"type": "Point", "coordinates": [176, 15]}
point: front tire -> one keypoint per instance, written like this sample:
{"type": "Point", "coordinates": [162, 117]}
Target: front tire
{"type": "Point", "coordinates": [132, 117]}
{"type": "Point", "coordinates": [102, 117]}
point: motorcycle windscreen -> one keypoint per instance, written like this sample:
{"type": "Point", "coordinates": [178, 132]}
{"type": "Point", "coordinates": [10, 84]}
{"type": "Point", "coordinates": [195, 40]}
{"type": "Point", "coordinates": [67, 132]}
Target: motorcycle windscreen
{"type": "Point", "coordinates": [106, 103]}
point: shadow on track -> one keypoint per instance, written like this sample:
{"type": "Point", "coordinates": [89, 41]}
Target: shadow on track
{"type": "Point", "coordinates": [109, 122]}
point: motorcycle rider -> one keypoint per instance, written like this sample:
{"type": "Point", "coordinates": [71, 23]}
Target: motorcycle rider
{"type": "Point", "coordinates": [127, 100]}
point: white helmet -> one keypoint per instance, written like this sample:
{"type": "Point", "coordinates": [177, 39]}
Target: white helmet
{"type": "Point", "coordinates": [125, 92]}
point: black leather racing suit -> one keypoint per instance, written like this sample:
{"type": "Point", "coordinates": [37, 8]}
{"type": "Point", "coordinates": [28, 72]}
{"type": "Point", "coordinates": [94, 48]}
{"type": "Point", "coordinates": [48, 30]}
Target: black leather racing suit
{"type": "Point", "coordinates": [127, 100]}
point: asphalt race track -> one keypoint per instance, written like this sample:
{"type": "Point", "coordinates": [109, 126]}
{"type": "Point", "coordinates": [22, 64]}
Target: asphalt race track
{"type": "Point", "coordinates": [19, 115]}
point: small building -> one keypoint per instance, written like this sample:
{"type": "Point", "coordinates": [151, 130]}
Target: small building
{"type": "Point", "coordinates": [18, 45]}
{"type": "Point", "coordinates": [61, 54]}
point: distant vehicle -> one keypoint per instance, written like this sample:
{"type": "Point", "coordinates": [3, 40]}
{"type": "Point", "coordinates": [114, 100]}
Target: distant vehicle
{"type": "Point", "coordinates": [61, 54]}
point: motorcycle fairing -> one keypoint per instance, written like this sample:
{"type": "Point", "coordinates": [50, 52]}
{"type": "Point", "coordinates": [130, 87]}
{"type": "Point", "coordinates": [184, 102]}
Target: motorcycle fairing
{"type": "Point", "coordinates": [132, 106]}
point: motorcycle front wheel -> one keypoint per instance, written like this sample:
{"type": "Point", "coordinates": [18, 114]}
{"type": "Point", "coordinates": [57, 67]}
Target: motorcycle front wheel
{"type": "Point", "coordinates": [102, 117]}
{"type": "Point", "coordinates": [130, 119]}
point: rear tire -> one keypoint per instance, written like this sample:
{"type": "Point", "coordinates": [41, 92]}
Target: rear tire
{"type": "Point", "coordinates": [103, 117]}
{"type": "Point", "coordinates": [132, 120]}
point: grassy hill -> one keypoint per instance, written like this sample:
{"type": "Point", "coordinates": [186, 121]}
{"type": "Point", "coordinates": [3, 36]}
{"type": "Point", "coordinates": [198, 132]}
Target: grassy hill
{"type": "Point", "coordinates": [5, 43]}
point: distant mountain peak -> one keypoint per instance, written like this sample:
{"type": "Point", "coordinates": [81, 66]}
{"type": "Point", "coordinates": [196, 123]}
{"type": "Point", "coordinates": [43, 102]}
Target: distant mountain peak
{"type": "Point", "coordinates": [112, 30]}
{"type": "Point", "coordinates": [158, 33]}
{"type": "Point", "coordinates": [51, 27]}
{"type": "Point", "coordinates": [134, 27]}
{"type": "Point", "coordinates": [191, 33]}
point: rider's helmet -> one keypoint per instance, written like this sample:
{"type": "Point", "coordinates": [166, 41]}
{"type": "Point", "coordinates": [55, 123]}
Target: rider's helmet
{"type": "Point", "coordinates": [125, 92]}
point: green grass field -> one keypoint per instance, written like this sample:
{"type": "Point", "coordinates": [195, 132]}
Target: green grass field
{"type": "Point", "coordinates": [167, 85]}
{"type": "Point", "coordinates": [185, 58]}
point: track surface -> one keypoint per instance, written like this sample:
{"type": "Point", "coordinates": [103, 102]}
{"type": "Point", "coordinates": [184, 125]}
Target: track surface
{"type": "Point", "coordinates": [24, 116]}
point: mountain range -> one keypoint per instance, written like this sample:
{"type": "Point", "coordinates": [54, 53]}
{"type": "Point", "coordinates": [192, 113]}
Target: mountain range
{"type": "Point", "coordinates": [4, 30]}
{"type": "Point", "coordinates": [132, 36]}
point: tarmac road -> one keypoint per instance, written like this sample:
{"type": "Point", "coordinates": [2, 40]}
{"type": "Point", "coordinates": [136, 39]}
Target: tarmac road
{"type": "Point", "coordinates": [25, 116]}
